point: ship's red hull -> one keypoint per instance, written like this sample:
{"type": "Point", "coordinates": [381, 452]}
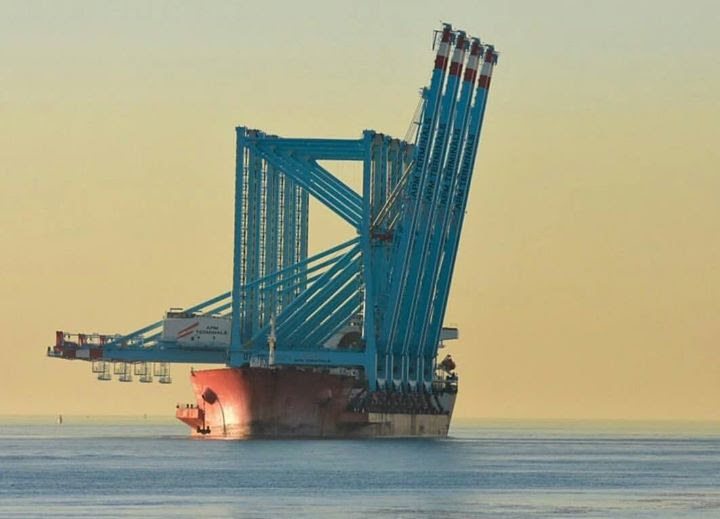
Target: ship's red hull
{"type": "Point", "coordinates": [294, 402]}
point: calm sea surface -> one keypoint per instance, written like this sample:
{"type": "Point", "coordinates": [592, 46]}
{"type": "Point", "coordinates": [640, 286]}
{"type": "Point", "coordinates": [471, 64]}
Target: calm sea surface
{"type": "Point", "coordinates": [149, 468]}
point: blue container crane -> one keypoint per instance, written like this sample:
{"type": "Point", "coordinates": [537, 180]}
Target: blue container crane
{"type": "Point", "coordinates": [388, 285]}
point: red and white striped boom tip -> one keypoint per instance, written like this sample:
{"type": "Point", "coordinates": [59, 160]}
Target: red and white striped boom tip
{"type": "Point", "coordinates": [448, 39]}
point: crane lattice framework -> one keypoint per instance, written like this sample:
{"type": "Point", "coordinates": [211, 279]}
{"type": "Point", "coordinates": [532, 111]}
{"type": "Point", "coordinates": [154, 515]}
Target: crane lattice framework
{"type": "Point", "coordinates": [392, 280]}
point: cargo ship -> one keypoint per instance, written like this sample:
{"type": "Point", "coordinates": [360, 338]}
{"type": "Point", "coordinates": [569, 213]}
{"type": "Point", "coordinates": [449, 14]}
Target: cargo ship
{"type": "Point", "coordinates": [286, 401]}
{"type": "Point", "coordinates": [346, 342]}
{"type": "Point", "coordinates": [256, 402]}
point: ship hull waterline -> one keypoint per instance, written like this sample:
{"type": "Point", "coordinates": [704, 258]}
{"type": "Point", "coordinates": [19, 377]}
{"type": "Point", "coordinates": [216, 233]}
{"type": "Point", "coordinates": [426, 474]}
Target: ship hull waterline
{"type": "Point", "coordinates": [287, 402]}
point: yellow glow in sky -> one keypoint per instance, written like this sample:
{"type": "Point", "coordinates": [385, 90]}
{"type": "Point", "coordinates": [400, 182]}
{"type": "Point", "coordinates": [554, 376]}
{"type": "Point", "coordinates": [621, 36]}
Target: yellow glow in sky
{"type": "Point", "coordinates": [588, 281]}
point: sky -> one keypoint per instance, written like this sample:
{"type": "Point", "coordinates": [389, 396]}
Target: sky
{"type": "Point", "coordinates": [588, 278]}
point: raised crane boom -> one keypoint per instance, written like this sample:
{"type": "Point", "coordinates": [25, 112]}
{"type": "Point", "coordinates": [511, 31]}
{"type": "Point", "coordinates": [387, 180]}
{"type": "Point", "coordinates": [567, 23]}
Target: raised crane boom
{"type": "Point", "coordinates": [374, 303]}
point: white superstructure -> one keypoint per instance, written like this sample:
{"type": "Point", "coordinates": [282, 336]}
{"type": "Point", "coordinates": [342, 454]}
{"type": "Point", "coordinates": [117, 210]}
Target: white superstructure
{"type": "Point", "coordinates": [196, 330]}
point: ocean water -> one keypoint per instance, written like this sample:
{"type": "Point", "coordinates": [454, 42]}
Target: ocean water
{"type": "Point", "coordinates": [90, 467]}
